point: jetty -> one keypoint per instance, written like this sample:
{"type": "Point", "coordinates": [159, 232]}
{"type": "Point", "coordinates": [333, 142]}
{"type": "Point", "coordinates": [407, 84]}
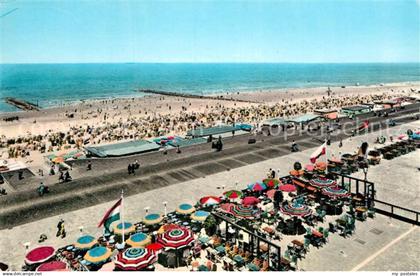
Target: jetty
{"type": "Point", "coordinates": [22, 104]}
{"type": "Point", "coordinates": [192, 96]}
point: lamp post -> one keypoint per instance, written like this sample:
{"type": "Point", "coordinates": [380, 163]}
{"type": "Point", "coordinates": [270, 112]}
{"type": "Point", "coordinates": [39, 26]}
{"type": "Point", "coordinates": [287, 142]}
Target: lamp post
{"type": "Point", "coordinates": [164, 206]}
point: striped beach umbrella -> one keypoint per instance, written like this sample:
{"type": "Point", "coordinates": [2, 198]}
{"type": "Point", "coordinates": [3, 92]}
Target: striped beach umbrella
{"type": "Point", "coordinates": [53, 266]}
{"type": "Point", "coordinates": [295, 209]}
{"type": "Point", "coordinates": [135, 258]}
{"type": "Point", "coordinates": [176, 238]}
{"type": "Point", "coordinates": [210, 200]}
{"type": "Point", "coordinates": [128, 228]}
{"type": "Point", "coordinates": [151, 219]}
{"type": "Point", "coordinates": [243, 211]}
{"type": "Point", "coordinates": [288, 188]}
{"type": "Point", "coordinates": [85, 242]}
{"type": "Point", "coordinates": [322, 182]}
{"type": "Point", "coordinates": [271, 182]}
{"type": "Point", "coordinates": [139, 240]}
{"type": "Point", "coordinates": [257, 187]}
{"type": "Point", "coordinates": [167, 227]}
{"type": "Point", "coordinates": [232, 194]}
{"type": "Point", "coordinates": [296, 173]}
{"type": "Point", "coordinates": [270, 193]}
{"type": "Point", "coordinates": [39, 255]}
{"type": "Point", "coordinates": [200, 215]}
{"type": "Point", "coordinates": [185, 209]}
{"type": "Point", "coordinates": [335, 191]}
{"type": "Point", "coordinates": [250, 200]}
{"type": "Point", "coordinates": [97, 255]}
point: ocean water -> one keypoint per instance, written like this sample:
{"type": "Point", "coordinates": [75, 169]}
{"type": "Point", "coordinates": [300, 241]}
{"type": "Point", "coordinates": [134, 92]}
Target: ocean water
{"type": "Point", "coordinates": [54, 84]}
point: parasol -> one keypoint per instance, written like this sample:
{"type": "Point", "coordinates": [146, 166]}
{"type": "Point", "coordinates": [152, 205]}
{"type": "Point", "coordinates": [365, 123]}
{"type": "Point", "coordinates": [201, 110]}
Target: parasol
{"type": "Point", "coordinates": [85, 242]}
{"type": "Point", "coordinates": [138, 240]}
{"type": "Point", "coordinates": [135, 258]}
{"type": "Point", "coordinates": [98, 255]}
{"type": "Point", "coordinates": [176, 238]}
{"type": "Point", "coordinates": [288, 188]}
{"type": "Point", "coordinates": [185, 209]}
{"type": "Point", "coordinates": [257, 186]}
{"type": "Point", "coordinates": [151, 219]}
{"type": "Point", "coordinates": [39, 255]}
{"type": "Point", "coordinates": [52, 266]}
{"type": "Point", "coordinates": [322, 182]}
{"type": "Point", "coordinates": [295, 209]}
{"type": "Point", "coordinates": [335, 191]}
{"type": "Point", "coordinates": [232, 194]}
{"type": "Point", "coordinates": [128, 228]}
{"type": "Point", "coordinates": [250, 200]}
{"type": "Point", "coordinates": [200, 215]}
{"type": "Point", "coordinates": [209, 200]}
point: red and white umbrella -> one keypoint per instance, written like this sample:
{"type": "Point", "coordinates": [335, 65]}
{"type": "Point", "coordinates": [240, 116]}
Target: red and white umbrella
{"type": "Point", "coordinates": [288, 188]}
{"type": "Point", "coordinates": [176, 238]}
{"type": "Point", "coordinates": [210, 200]}
{"type": "Point", "coordinates": [250, 200]}
{"type": "Point", "coordinates": [39, 255]}
{"type": "Point", "coordinates": [52, 266]}
{"type": "Point", "coordinates": [135, 258]}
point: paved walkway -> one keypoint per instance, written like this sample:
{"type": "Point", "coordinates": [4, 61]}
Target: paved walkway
{"type": "Point", "coordinates": [12, 240]}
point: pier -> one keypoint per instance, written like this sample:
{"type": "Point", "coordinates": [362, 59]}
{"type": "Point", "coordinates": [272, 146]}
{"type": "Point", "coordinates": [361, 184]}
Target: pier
{"type": "Point", "coordinates": [22, 104]}
{"type": "Point", "coordinates": [192, 96]}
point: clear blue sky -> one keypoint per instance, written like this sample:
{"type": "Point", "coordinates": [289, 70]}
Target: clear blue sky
{"type": "Point", "coordinates": [209, 31]}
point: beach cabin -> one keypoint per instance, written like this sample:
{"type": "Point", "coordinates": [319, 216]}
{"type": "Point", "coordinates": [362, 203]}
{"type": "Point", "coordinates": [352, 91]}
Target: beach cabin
{"type": "Point", "coordinates": [122, 149]}
{"type": "Point", "coordinates": [330, 114]}
{"type": "Point", "coordinates": [310, 120]}
{"type": "Point", "coordinates": [389, 103]}
{"type": "Point", "coordinates": [355, 110]}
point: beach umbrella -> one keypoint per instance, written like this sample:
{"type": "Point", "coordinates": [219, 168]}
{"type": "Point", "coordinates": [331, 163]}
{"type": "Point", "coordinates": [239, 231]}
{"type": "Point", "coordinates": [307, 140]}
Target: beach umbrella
{"type": "Point", "coordinates": [138, 240]}
{"type": "Point", "coordinates": [53, 266]}
{"type": "Point", "coordinates": [210, 200]}
{"type": "Point", "coordinates": [296, 172]}
{"type": "Point", "coordinates": [309, 167]}
{"type": "Point", "coordinates": [97, 255]}
{"type": "Point", "coordinates": [200, 215]}
{"type": "Point", "coordinates": [271, 183]}
{"type": "Point", "coordinates": [128, 228]}
{"type": "Point", "coordinates": [154, 246]}
{"type": "Point", "coordinates": [176, 238]}
{"type": "Point", "coordinates": [58, 159]}
{"type": "Point", "coordinates": [295, 209]}
{"type": "Point", "coordinates": [232, 194]}
{"type": "Point", "coordinates": [239, 210]}
{"type": "Point", "coordinates": [167, 227]}
{"type": "Point", "coordinates": [39, 255]}
{"type": "Point", "coordinates": [322, 182]}
{"type": "Point", "coordinates": [135, 258]}
{"type": "Point", "coordinates": [85, 242]}
{"type": "Point", "coordinates": [270, 193]}
{"type": "Point", "coordinates": [288, 188]}
{"type": "Point", "coordinates": [335, 191]}
{"type": "Point", "coordinates": [257, 186]}
{"type": "Point", "coordinates": [250, 200]}
{"type": "Point", "coordinates": [321, 166]}
{"type": "Point", "coordinates": [151, 219]}
{"type": "Point", "coordinates": [185, 209]}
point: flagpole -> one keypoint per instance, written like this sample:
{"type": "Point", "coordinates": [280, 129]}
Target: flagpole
{"type": "Point", "coordinates": [122, 218]}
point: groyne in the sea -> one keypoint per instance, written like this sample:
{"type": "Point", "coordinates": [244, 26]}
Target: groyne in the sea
{"type": "Point", "coordinates": [187, 95]}
{"type": "Point", "coordinates": [22, 104]}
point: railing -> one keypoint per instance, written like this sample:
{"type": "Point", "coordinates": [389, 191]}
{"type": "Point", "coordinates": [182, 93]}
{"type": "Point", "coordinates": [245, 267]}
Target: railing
{"type": "Point", "coordinates": [397, 212]}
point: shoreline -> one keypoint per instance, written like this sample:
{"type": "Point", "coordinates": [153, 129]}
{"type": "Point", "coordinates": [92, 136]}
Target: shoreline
{"type": "Point", "coordinates": [237, 95]}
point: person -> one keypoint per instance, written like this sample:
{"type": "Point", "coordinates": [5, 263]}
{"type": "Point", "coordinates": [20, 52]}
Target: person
{"type": "Point", "coordinates": [61, 177]}
{"type": "Point", "coordinates": [42, 238]}
{"type": "Point", "coordinates": [136, 165]}
{"type": "Point", "coordinates": [89, 165]}
{"type": "Point", "coordinates": [341, 143]}
{"type": "Point", "coordinates": [129, 169]}
{"type": "Point", "coordinates": [20, 175]}
{"type": "Point", "coordinates": [178, 149]}
{"type": "Point", "coordinates": [294, 146]}
{"type": "Point", "coordinates": [52, 172]}
{"type": "Point", "coordinates": [278, 198]}
{"type": "Point", "coordinates": [61, 231]}
{"type": "Point", "coordinates": [273, 173]}
{"type": "Point", "coordinates": [41, 189]}
{"type": "Point", "coordinates": [67, 177]}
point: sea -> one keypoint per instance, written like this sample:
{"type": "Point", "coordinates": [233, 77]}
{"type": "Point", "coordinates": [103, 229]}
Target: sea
{"type": "Point", "coordinates": [50, 85]}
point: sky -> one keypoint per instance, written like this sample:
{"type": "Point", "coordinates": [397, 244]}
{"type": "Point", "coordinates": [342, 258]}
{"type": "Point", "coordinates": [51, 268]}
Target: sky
{"type": "Point", "coordinates": [209, 31]}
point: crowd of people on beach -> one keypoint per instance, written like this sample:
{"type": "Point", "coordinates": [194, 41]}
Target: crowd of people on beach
{"type": "Point", "coordinates": [146, 126]}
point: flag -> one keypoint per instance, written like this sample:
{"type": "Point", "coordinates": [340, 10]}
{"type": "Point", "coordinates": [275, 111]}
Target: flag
{"type": "Point", "coordinates": [111, 215]}
{"type": "Point", "coordinates": [319, 152]}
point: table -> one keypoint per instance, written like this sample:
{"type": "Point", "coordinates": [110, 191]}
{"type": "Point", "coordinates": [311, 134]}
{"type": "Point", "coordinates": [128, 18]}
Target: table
{"type": "Point", "coordinates": [361, 209]}
{"type": "Point", "coordinates": [297, 243]}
